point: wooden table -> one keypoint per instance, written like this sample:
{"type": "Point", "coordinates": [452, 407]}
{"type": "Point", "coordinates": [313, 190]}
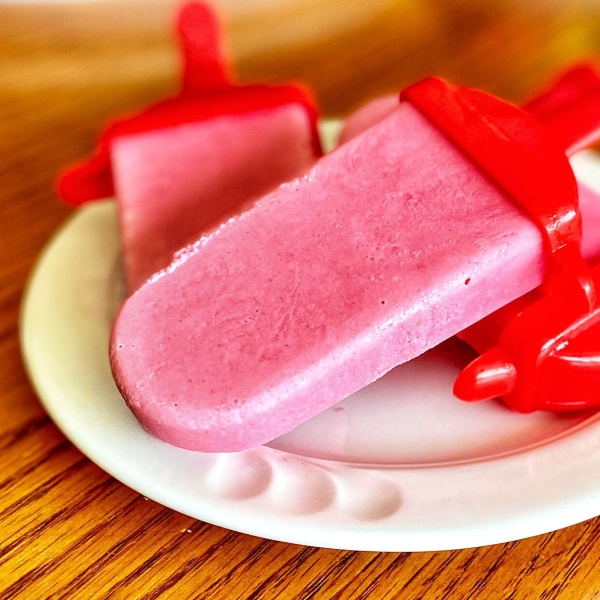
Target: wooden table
{"type": "Point", "coordinates": [67, 529]}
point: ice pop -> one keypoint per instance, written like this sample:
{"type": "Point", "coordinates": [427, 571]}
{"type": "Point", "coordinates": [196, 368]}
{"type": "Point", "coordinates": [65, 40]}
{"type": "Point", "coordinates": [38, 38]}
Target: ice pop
{"type": "Point", "coordinates": [184, 164]}
{"type": "Point", "coordinates": [387, 247]}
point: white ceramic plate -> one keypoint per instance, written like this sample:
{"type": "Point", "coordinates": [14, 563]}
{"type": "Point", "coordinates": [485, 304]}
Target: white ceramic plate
{"type": "Point", "coordinates": [399, 466]}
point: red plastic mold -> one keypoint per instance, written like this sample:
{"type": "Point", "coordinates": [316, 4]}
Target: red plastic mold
{"type": "Point", "coordinates": [542, 351]}
{"type": "Point", "coordinates": [207, 91]}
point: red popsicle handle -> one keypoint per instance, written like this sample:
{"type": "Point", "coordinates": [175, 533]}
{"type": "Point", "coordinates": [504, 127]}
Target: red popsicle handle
{"type": "Point", "coordinates": [207, 91]}
{"type": "Point", "coordinates": [567, 87]}
{"type": "Point", "coordinates": [553, 330]}
{"type": "Point", "coordinates": [205, 67]}
{"type": "Point", "coordinates": [525, 159]}
{"type": "Point", "coordinates": [546, 357]}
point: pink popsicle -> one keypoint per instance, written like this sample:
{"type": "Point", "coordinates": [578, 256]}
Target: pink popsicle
{"type": "Point", "coordinates": [174, 183]}
{"type": "Point", "coordinates": [387, 247]}
{"type": "Point", "coordinates": [184, 164]}
{"type": "Point", "coordinates": [368, 115]}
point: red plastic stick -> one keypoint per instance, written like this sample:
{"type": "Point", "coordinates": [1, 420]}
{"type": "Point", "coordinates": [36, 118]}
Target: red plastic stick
{"type": "Point", "coordinates": [539, 353]}
{"type": "Point", "coordinates": [549, 336]}
{"type": "Point", "coordinates": [204, 65]}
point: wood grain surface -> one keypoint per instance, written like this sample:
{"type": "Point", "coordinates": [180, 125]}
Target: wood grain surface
{"type": "Point", "coordinates": [67, 529]}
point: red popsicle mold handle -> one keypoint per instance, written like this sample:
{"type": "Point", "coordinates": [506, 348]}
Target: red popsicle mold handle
{"type": "Point", "coordinates": [539, 353]}
{"type": "Point", "coordinates": [207, 91]}
{"type": "Point", "coordinates": [205, 67]}
{"type": "Point", "coordinates": [528, 160]}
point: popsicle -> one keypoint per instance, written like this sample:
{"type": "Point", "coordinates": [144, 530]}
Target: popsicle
{"type": "Point", "coordinates": [368, 115]}
{"type": "Point", "coordinates": [181, 166]}
{"type": "Point", "coordinates": [389, 245]}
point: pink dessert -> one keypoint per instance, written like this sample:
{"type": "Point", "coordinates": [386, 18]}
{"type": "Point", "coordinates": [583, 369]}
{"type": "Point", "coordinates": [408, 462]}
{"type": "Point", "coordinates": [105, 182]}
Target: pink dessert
{"type": "Point", "coordinates": [185, 164]}
{"type": "Point", "coordinates": [387, 247]}
{"type": "Point", "coordinates": [368, 115]}
{"type": "Point", "coordinates": [175, 183]}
